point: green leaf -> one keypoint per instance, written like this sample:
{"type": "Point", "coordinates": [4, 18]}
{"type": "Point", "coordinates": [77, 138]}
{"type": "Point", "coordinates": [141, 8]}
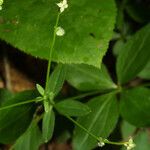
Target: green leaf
{"type": "Point", "coordinates": [40, 89]}
{"type": "Point", "coordinates": [127, 130]}
{"type": "Point", "coordinates": [5, 95]}
{"type": "Point", "coordinates": [145, 73]}
{"type": "Point", "coordinates": [14, 121]}
{"type": "Point", "coordinates": [134, 56]}
{"type": "Point", "coordinates": [88, 78]}
{"type": "Point", "coordinates": [57, 79]}
{"type": "Point", "coordinates": [88, 26]}
{"type": "Point", "coordinates": [30, 140]}
{"type": "Point", "coordinates": [72, 108]}
{"type": "Point", "coordinates": [142, 141]}
{"type": "Point", "coordinates": [135, 106]}
{"type": "Point", "coordinates": [48, 125]}
{"type": "Point", "coordinates": [101, 121]}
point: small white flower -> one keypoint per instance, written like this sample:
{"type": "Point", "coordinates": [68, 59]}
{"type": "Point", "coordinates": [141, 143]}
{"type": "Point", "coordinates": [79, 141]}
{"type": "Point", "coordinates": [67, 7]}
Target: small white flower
{"type": "Point", "coordinates": [130, 145]}
{"type": "Point", "coordinates": [62, 5]}
{"type": "Point", "coordinates": [1, 2]}
{"type": "Point", "coordinates": [60, 31]}
{"type": "Point", "coordinates": [101, 142]}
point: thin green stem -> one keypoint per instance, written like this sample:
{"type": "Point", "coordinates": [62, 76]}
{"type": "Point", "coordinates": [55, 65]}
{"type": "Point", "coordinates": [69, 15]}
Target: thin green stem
{"type": "Point", "coordinates": [91, 94]}
{"type": "Point", "coordinates": [84, 95]}
{"type": "Point", "coordinates": [21, 103]}
{"type": "Point", "coordinates": [99, 139]}
{"type": "Point", "coordinates": [80, 126]}
{"type": "Point", "coordinates": [115, 143]}
{"type": "Point", "coordinates": [51, 52]}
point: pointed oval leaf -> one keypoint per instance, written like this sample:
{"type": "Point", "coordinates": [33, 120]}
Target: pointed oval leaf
{"type": "Point", "coordinates": [14, 121]}
{"type": "Point", "coordinates": [57, 79]}
{"type": "Point", "coordinates": [72, 108]}
{"type": "Point", "coordinates": [101, 121]}
{"type": "Point", "coordinates": [40, 89]}
{"type": "Point", "coordinates": [88, 78]}
{"type": "Point", "coordinates": [30, 140]}
{"type": "Point", "coordinates": [135, 106]}
{"type": "Point", "coordinates": [134, 55]}
{"type": "Point", "coordinates": [88, 26]}
{"type": "Point", "coordinates": [48, 125]}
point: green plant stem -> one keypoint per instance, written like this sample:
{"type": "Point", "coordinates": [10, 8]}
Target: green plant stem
{"type": "Point", "coordinates": [21, 103]}
{"type": "Point", "coordinates": [84, 95]}
{"type": "Point", "coordinates": [91, 94]}
{"type": "Point", "coordinates": [115, 143]}
{"type": "Point", "coordinates": [80, 126]}
{"type": "Point", "coordinates": [51, 52]}
{"type": "Point", "coordinates": [99, 139]}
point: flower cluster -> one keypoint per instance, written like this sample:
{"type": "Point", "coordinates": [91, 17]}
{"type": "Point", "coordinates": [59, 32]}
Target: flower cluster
{"type": "Point", "coordinates": [130, 145]}
{"type": "Point", "coordinates": [60, 31]}
{"type": "Point", "coordinates": [101, 142]}
{"type": "Point", "coordinates": [1, 3]}
{"type": "Point", "coordinates": [62, 5]}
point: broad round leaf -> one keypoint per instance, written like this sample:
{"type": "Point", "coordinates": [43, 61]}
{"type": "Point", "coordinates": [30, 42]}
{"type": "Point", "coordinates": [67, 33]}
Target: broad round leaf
{"type": "Point", "coordinates": [28, 25]}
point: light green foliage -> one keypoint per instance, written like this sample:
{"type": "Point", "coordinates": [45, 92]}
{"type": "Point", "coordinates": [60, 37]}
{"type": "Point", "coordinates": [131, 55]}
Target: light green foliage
{"type": "Point", "coordinates": [87, 78]}
{"type": "Point", "coordinates": [101, 121]}
{"type": "Point", "coordinates": [142, 141]}
{"type": "Point", "coordinates": [72, 108]}
{"type": "Point", "coordinates": [40, 89]}
{"type": "Point", "coordinates": [14, 121]}
{"type": "Point", "coordinates": [127, 130]}
{"type": "Point", "coordinates": [48, 125]}
{"type": "Point", "coordinates": [134, 55]}
{"type": "Point", "coordinates": [30, 140]}
{"type": "Point", "coordinates": [28, 25]}
{"type": "Point", "coordinates": [135, 105]}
